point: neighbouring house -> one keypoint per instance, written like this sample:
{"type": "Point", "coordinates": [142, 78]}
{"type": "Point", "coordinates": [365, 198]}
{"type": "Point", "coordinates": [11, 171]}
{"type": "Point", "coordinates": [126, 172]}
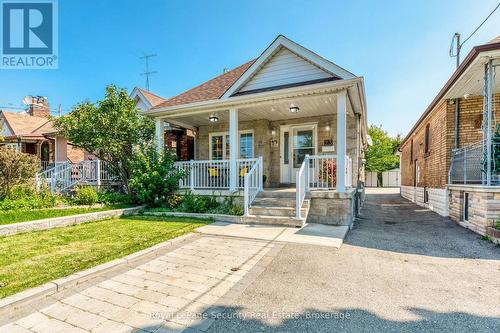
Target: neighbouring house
{"type": "Point", "coordinates": [32, 132]}
{"type": "Point", "coordinates": [177, 138]}
{"type": "Point", "coordinates": [289, 119]}
{"type": "Point", "coordinates": [450, 160]}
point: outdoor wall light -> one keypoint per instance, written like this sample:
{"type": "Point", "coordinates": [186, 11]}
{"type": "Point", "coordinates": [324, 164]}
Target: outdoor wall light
{"type": "Point", "coordinates": [273, 131]}
{"type": "Point", "coordinates": [213, 118]}
{"type": "Point", "coordinates": [294, 108]}
{"type": "Point", "coordinates": [327, 127]}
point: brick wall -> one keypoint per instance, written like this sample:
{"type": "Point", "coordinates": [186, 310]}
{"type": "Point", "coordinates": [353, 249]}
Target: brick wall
{"type": "Point", "coordinates": [432, 165]}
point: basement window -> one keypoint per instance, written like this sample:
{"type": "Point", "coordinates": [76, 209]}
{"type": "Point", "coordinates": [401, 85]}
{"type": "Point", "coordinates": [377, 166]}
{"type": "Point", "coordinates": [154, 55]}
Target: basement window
{"type": "Point", "coordinates": [466, 207]}
{"type": "Point", "coordinates": [426, 195]}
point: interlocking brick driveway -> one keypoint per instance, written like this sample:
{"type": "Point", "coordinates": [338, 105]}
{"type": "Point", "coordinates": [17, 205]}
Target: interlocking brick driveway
{"type": "Point", "coordinates": [161, 295]}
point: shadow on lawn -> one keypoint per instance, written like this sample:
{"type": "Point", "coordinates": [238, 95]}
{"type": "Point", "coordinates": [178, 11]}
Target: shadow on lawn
{"type": "Point", "coordinates": [232, 319]}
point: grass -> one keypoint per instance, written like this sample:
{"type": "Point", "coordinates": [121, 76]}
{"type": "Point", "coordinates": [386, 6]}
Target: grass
{"type": "Point", "coordinates": [33, 258]}
{"type": "Point", "coordinates": [15, 216]}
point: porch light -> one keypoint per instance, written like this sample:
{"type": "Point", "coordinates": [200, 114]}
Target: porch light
{"type": "Point", "coordinates": [294, 108]}
{"type": "Point", "coordinates": [213, 118]}
{"type": "Point", "coordinates": [327, 127]}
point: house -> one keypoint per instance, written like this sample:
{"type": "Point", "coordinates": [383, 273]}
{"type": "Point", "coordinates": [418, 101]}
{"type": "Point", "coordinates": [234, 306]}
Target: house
{"type": "Point", "coordinates": [288, 118]}
{"type": "Point", "coordinates": [177, 138]}
{"type": "Point", "coordinates": [32, 132]}
{"type": "Point", "coordinates": [450, 158]}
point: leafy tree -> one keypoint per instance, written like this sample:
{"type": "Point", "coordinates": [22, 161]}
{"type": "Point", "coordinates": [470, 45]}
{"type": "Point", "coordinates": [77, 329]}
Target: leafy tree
{"type": "Point", "coordinates": [16, 169]}
{"type": "Point", "coordinates": [380, 155]}
{"type": "Point", "coordinates": [110, 129]}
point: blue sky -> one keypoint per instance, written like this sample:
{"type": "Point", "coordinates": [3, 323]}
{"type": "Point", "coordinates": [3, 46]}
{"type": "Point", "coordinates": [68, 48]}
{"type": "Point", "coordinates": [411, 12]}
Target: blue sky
{"type": "Point", "coordinates": [400, 47]}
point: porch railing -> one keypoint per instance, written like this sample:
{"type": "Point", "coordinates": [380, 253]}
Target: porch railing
{"type": "Point", "coordinates": [322, 171]}
{"type": "Point", "coordinates": [301, 183]}
{"type": "Point", "coordinates": [252, 184]}
{"type": "Point", "coordinates": [468, 165]}
{"type": "Point", "coordinates": [212, 174]}
{"type": "Point", "coordinates": [64, 175]}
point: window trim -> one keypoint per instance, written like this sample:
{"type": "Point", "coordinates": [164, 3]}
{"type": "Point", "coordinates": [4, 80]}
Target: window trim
{"type": "Point", "coordinates": [224, 135]}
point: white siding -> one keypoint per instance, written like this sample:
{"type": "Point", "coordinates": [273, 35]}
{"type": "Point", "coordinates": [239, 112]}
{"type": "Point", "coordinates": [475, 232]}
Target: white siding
{"type": "Point", "coordinates": [285, 67]}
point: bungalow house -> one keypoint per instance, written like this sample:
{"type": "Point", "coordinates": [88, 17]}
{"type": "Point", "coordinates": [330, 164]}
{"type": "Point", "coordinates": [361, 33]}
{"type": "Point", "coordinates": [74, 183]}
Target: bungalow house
{"type": "Point", "coordinates": [285, 131]}
{"type": "Point", "coordinates": [450, 160]}
{"type": "Point", "coordinates": [32, 132]}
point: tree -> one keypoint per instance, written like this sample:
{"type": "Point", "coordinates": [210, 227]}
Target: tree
{"type": "Point", "coordinates": [110, 129]}
{"type": "Point", "coordinates": [380, 155]}
{"type": "Point", "coordinates": [16, 169]}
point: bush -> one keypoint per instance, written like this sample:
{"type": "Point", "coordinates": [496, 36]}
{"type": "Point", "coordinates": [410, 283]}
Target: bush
{"type": "Point", "coordinates": [111, 198]}
{"type": "Point", "coordinates": [154, 177]}
{"type": "Point", "coordinates": [173, 200]}
{"type": "Point", "coordinates": [16, 169]}
{"type": "Point", "coordinates": [197, 203]}
{"type": "Point", "coordinates": [85, 195]}
{"type": "Point", "coordinates": [26, 197]}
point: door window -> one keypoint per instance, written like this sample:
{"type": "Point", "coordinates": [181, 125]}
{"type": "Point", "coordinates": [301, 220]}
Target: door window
{"type": "Point", "coordinates": [303, 144]}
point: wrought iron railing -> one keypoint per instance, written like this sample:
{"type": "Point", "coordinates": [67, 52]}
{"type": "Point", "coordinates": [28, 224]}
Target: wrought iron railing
{"type": "Point", "coordinates": [468, 165]}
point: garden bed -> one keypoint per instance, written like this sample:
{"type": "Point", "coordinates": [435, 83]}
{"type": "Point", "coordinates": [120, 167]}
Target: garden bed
{"type": "Point", "coordinates": [34, 258]}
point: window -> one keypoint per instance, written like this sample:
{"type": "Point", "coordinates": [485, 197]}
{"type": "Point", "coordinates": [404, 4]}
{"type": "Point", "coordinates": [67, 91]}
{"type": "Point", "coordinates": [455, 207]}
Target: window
{"type": "Point", "coordinates": [219, 145]}
{"type": "Point", "coordinates": [246, 145]}
{"type": "Point", "coordinates": [427, 139]}
{"type": "Point", "coordinates": [466, 207]}
{"type": "Point", "coordinates": [286, 147]}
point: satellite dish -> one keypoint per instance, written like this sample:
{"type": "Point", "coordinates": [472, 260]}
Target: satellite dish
{"type": "Point", "coordinates": [27, 100]}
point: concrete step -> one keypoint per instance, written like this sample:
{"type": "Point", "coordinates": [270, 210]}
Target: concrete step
{"type": "Point", "coordinates": [276, 194]}
{"type": "Point", "coordinates": [274, 220]}
{"type": "Point", "coordinates": [278, 202]}
{"type": "Point", "coordinates": [276, 211]}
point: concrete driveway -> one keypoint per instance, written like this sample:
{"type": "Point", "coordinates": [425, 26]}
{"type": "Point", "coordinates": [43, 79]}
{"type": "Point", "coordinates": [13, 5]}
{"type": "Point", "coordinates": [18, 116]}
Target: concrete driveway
{"type": "Point", "coordinates": [402, 268]}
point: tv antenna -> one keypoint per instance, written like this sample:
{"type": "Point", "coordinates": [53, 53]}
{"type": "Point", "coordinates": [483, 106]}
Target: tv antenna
{"type": "Point", "coordinates": [147, 73]}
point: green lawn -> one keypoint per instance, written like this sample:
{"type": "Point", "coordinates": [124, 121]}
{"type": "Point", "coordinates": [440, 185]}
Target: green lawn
{"type": "Point", "coordinates": [15, 216]}
{"type": "Point", "coordinates": [33, 258]}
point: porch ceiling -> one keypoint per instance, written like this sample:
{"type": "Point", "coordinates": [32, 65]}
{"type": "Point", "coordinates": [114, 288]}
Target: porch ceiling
{"type": "Point", "coordinates": [472, 81]}
{"type": "Point", "coordinates": [278, 110]}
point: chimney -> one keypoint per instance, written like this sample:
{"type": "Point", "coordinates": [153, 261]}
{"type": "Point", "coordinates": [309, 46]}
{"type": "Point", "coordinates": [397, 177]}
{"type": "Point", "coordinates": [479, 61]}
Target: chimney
{"type": "Point", "coordinates": [39, 107]}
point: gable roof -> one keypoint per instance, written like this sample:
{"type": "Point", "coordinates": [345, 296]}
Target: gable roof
{"type": "Point", "coordinates": [280, 43]}
{"type": "Point", "coordinates": [212, 89]}
{"type": "Point", "coordinates": [26, 125]}
{"type": "Point", "coordinates": [152, 99]}
{"type": "Point", "coordinates": [229, 84]}
{"type": "Point", "coordinates": [493, 44]}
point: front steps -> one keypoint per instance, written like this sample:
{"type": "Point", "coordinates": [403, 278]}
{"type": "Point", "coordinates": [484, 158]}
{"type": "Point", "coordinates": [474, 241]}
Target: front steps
{"type": "Point", "coordinates": [277, 208]}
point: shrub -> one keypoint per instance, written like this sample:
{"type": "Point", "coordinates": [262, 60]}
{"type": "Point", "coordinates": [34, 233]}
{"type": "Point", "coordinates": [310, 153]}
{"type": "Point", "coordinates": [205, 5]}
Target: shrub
{"type": "Point", "coordinates": [154, 177]}
{"type": "Point", "coordinates": [173, 200]}
{"type": "Point", "coordinates": [111, 198]}
{"type": "Point", "coordinates": [16, 169]}
{"type": "Point", "coordinates": [197, 203]}
{"type": "Point", "coordinates": [85, 195]}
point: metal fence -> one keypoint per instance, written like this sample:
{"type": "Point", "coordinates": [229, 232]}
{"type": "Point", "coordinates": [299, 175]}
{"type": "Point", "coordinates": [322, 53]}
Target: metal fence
{"type": "Point", "coordinates": [468, 165]}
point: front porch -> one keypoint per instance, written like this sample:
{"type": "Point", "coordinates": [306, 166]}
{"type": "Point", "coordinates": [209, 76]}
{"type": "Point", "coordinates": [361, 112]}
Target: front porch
{"type": "Point", "coordinates": [254, 146]}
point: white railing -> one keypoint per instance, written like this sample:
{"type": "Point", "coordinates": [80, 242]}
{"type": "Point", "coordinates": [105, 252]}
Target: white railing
{"type": "Point", "coordinates": [65, 175]}
{"type": "Point", "coordinates": [322, 172]}
{"type": "Point", "coordinates": [45, 165]}
{"type": "Point", "coordinates": [301, 186]}
{"type": "Point", "coordinates": [252, 184]}
{"type": "Point", "coordinates": [208, 174]}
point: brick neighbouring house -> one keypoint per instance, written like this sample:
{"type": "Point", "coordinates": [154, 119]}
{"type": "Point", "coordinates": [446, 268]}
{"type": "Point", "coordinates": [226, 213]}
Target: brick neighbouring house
{"type": "Point", "coordinates": [32, 132]}
{"type": "Point", "coordinates": [442, 158]}
{"type": "Point", "coordinates": [177, 139]}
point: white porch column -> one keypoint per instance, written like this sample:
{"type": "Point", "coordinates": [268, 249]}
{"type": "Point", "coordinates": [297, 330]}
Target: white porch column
{"type": "Point", "coordinates": [159, 134]}
{"type": "Point", "coordinates": [341, 140]}
{"type": "Point", "coordinates": [233, 149]}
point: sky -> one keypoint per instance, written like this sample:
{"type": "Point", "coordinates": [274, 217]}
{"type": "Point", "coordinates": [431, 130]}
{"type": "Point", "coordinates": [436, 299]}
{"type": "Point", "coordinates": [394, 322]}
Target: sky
{"type": "Point", "coordinates": [399, 47]}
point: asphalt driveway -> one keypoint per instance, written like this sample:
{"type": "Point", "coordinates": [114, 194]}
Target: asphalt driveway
{"type": "Point", "coordinates": [402, 268]}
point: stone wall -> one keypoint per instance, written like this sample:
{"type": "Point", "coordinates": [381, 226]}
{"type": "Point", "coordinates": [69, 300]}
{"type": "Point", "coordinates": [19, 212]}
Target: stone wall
{"type": "Point", "coordinates": [329, 207]}
{"type": "Point", "coordinates": [484, 206]}
{"type": "Point", "coordinates": [437, 198]}
{"type": "Point", "coordinates": [271, 153]}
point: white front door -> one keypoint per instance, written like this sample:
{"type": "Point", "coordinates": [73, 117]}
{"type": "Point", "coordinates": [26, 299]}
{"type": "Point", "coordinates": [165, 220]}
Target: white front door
{"type": "Point", "coordinates": [296, 142]}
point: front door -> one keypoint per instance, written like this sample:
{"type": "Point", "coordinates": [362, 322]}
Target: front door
{"type": "Point", "coordinates": [296, 142]}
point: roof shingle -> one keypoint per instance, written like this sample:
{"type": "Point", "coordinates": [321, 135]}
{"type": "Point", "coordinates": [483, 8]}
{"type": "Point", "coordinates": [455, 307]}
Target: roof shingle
{"type": "Point", "coordinates": [23, 124]}
{"type": "Point", "coordinates": [212, 89]}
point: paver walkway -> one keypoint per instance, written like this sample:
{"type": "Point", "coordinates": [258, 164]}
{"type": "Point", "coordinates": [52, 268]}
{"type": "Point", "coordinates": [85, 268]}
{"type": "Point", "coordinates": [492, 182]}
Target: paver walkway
{"type": "Point", "coordinates": [166, 294]}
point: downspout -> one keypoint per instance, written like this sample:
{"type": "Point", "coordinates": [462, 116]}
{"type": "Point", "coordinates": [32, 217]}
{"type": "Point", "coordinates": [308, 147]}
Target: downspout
{"type": "Point", "coordinates": [457, 122]}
